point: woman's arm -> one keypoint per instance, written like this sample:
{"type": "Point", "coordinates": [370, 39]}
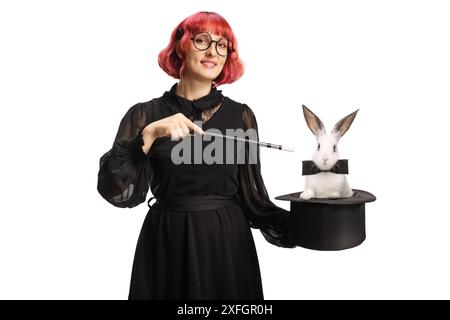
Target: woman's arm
{"type": "Point", "coordinates": [273, 221]}
{"type": "Point", "coordinates": [123, 173]}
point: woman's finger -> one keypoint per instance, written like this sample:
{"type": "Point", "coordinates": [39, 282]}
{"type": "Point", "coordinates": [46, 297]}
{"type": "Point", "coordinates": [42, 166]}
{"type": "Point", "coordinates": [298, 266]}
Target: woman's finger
{"type": "Point", "coordinates": [185, 129]}
{"type": "Point", "coordinates": [176, 133]}
{"type": "Point", "coordinates": [194, 127]}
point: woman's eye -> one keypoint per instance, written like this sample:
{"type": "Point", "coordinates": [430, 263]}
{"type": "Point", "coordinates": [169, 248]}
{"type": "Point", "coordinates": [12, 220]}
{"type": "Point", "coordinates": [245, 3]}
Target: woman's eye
{"type": "Point", "coordinates": [222, 45]}
{"type": "Point", "coordinates": [318, 147]}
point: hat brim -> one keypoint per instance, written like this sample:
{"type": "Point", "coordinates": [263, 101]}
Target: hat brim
{"type": "Point", "coordinates": [359, 196]}
{"type": "Point", "coordinates": [328, 224]}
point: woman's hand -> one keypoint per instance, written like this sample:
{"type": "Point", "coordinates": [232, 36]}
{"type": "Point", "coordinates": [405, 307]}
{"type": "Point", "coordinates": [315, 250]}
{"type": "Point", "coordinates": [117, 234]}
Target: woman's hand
{"type": "Point", "coordinates": [176, 126]}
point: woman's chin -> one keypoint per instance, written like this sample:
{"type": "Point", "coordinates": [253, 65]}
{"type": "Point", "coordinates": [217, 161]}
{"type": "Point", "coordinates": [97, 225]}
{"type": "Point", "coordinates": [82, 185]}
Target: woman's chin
{"type": "Point", "coordinates": [206, 75]}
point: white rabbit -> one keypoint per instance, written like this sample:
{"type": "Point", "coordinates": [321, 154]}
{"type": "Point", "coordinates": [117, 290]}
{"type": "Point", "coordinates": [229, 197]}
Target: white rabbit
{"type": "Point", "coordinates": [326, 184]}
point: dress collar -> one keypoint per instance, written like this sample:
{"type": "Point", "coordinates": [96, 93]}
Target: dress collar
{"type": "Point", "coordinates": [193, 107]}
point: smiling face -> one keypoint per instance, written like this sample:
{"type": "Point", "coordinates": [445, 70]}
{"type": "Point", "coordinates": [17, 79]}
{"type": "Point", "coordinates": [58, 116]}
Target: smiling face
{"type": "Point", "coordinates": [204, 65]}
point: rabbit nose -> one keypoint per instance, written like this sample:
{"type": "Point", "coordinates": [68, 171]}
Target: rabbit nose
{"type": "Point", "coordinates": [325, 159]}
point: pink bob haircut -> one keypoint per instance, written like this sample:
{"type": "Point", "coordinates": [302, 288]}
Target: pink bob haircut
{"type": "Point", "coordinates": [169, 61]}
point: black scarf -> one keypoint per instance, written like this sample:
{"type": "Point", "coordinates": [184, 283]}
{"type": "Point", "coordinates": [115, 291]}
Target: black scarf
{"type": "Point", "coordinates": [193, 108]}
{"type": "Point", "coordinates": [309, 167]}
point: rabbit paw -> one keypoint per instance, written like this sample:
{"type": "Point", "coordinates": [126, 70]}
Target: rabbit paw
{"type": "Point", "coordinates": [334, 195]}
{"type": "Point", "coordinates": [307, 194]}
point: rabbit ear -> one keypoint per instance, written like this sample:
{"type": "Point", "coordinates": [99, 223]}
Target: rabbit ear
{"type": "Point", "coordinates": [343, 125]}
{"type": "Point", "coordinates": [313, 122]}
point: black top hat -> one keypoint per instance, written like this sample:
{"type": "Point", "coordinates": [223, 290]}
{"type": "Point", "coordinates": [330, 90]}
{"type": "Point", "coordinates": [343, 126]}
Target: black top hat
{"type": "Point", "coordinates": [328, 224]}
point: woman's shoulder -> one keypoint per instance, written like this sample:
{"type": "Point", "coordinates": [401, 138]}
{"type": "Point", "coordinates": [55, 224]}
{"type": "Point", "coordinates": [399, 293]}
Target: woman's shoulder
{"type": "Point", "coordinates": [145, 111]}
{"type": "Point", "coordinates": [154, 107]}
{"type": "Point", "coordinates": [152, 103]}
{"type": "Point", "coordinates": [242, 107]}
{"type": "Point", "coordinates": [243, 112]}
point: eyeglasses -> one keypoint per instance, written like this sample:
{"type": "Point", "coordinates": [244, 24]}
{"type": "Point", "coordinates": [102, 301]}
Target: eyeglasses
{"type": "Point", "coordinates": [203, 40]}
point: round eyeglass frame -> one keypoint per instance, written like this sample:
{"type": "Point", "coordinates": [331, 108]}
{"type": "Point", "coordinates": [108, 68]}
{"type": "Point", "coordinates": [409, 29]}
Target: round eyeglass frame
{"type": "Point", "coordinates": [229, 50]}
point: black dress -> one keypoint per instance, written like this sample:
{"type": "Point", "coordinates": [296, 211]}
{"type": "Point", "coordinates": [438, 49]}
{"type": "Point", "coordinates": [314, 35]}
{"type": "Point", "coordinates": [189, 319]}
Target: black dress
{"type": "Point", "coordinates": [184, 253]}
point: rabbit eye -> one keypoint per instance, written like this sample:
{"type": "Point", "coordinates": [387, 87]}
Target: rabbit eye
{"type": "Point", "coordinates": [318, 147]}
{"type": "Point", "coordinates": [334, 148]}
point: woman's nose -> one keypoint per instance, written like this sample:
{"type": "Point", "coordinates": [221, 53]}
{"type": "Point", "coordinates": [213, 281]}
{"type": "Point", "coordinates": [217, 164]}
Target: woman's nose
{"type": "Point", "coordinates": [211, 51]}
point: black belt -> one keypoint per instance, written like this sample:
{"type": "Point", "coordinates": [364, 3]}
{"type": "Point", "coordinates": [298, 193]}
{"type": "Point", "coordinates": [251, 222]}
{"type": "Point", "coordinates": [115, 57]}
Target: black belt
{"type": "Point", "coordinates": [192, 203]}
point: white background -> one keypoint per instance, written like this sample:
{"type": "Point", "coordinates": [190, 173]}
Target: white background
{"type": "Point", "coordinates": [69, 70]}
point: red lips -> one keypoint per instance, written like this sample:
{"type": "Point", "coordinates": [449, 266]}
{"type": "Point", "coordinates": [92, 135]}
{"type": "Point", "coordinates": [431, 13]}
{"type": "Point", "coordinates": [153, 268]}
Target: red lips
{"type": "Point", "coordinates": [208, 61]}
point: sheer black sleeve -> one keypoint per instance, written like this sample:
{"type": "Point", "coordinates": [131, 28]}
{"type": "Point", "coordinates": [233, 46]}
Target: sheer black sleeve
{"type": "Point", "coordinates": [262, 214]}
{"type": "Point", "coordinates": [123, 175]}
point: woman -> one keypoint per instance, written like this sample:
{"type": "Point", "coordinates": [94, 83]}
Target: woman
{"type": "Point", "coordinates": [195, 241]}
